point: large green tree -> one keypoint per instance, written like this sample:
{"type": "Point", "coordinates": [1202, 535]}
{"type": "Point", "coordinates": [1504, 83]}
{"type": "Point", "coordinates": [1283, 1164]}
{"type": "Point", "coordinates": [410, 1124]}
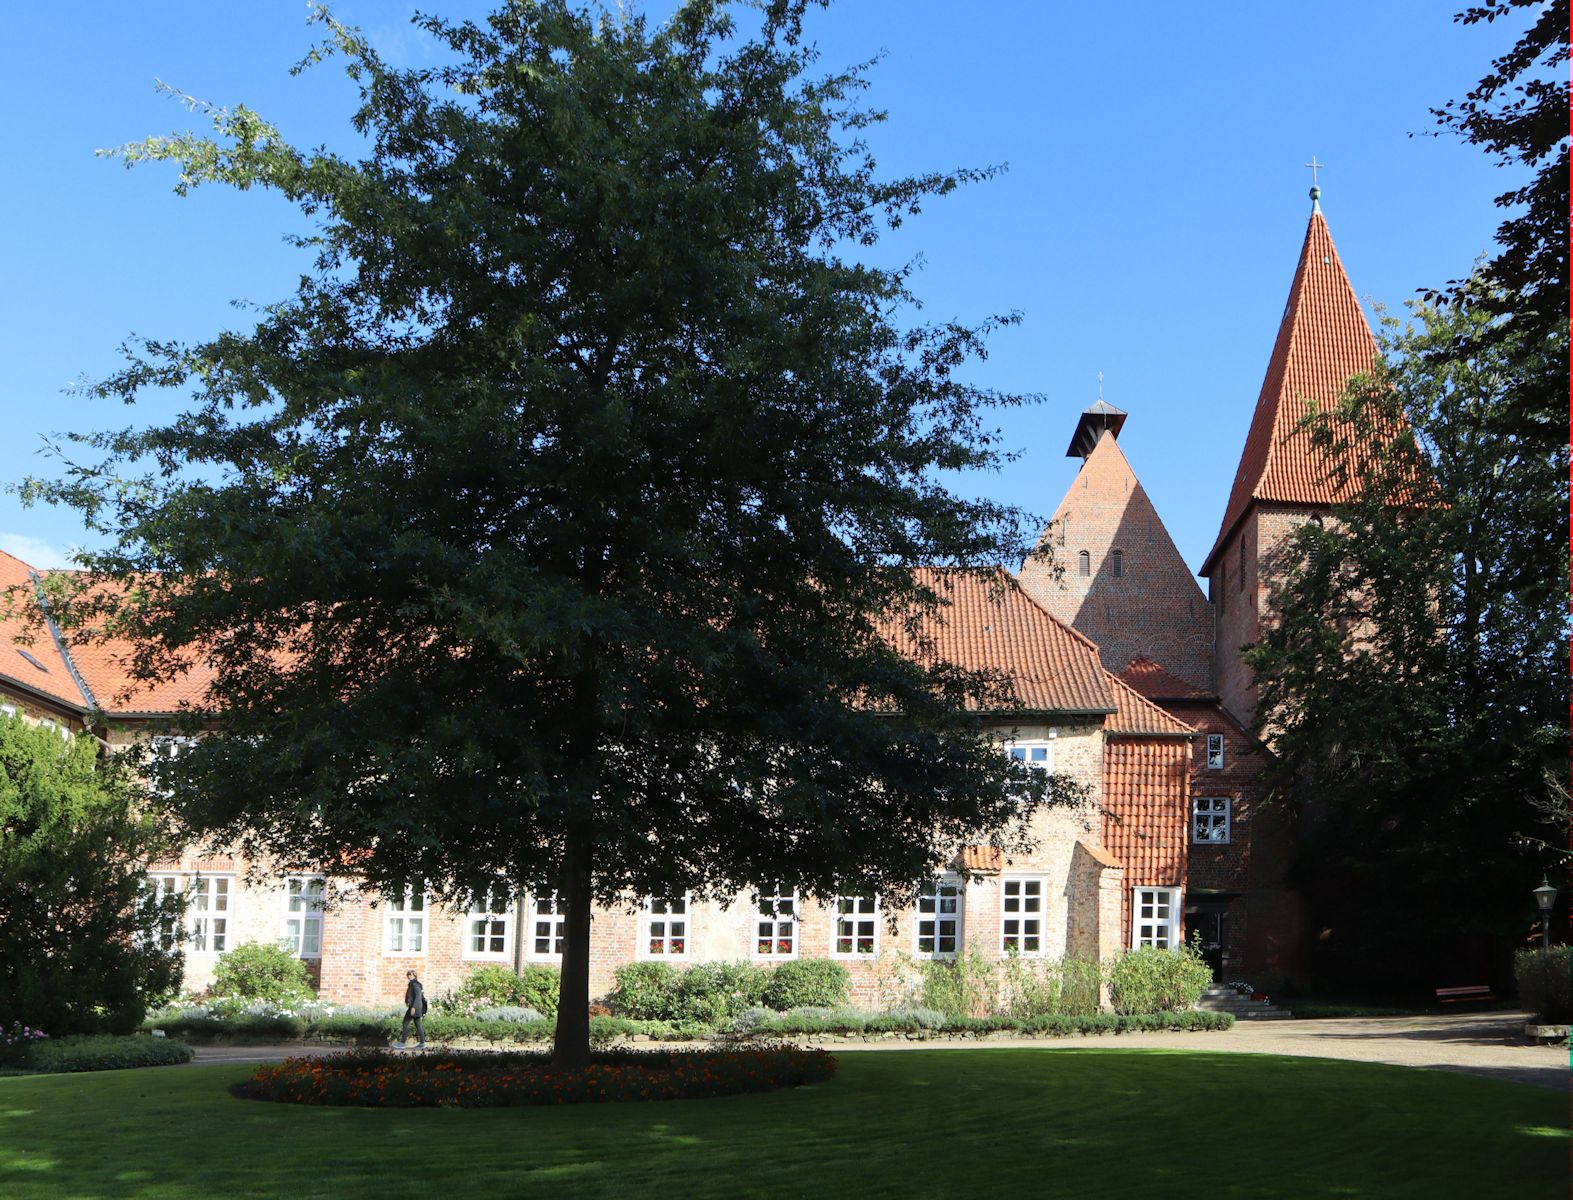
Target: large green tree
{"type": "Point", "coordinates": [1415, 681]}
{"type": "Point", "coordinates": [80, 945]}
{"type": "Point", "coordinates": [558, 527]}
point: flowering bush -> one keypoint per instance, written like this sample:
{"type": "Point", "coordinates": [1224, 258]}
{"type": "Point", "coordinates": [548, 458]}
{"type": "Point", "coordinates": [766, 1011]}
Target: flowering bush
{"type": "Point", "coordinates": [381, 1079]}
{"type": "Point", "coordinates": [15, 1041]}
{"type": "Point", "coordinates": [493, 986]}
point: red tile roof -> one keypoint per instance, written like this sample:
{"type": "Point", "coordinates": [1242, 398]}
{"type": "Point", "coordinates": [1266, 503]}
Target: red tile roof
{"type": "Point", "coordinates": [1098, 854]}
{"type": "Point", "coordinates": [1148, 679]}
{"type": "Point", "coordinates": [28, 653]}
{"type": "Point", "coordinates": [1323, 339]}
{"type": "Point", "coordinates": [1146, 795]}
{"type": "Point", "coordinates": [1137, 716]}
{"type": "Point", "coordinates": [982, 859]}
{"type": "Point", "coordinates": [989, 623]}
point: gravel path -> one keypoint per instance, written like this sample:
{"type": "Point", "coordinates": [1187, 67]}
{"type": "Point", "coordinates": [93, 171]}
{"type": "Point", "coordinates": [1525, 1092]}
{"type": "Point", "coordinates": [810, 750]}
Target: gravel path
{"type": "Point", "coordinates": [1487, 1044]}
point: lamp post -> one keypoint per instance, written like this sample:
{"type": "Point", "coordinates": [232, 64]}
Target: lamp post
{"type": "Point", "coordinates": [1545, 897]}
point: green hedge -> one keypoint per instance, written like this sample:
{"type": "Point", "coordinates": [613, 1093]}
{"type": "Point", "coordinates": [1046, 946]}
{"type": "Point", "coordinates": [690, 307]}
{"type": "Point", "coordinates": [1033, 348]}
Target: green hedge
{"type": "Point", "coordinates": [1545, 983]}
{"type": "Point", "coordinates": [103, 1052]}
{"type": "Point", "coordinates": [806, 981]}
{"type": "Point", "coordinates": [819, 1022]}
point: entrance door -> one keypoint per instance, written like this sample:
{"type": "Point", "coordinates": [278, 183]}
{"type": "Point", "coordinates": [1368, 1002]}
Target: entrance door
{"type": "Point", "coordinates": [1210, 925]}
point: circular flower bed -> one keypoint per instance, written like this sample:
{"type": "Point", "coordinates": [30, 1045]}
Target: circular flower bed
{"type": "Point", "coordinates": [485, 1079]}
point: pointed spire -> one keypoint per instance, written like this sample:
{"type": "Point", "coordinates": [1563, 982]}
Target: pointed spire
{"type": "Point", "coordinates": [1323, 339]}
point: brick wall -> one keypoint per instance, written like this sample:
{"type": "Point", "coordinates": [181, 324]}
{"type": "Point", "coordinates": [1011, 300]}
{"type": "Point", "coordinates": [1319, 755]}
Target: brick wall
{"type": "Point", "coordinates": [1153, 607]}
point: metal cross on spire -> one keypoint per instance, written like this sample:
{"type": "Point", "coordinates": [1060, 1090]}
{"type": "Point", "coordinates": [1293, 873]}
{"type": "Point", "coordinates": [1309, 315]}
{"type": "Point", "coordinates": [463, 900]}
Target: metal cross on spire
{"type": "Point", "coordinates": [1315, 167]}
{"type": "Point", "coordinates": [1100, 385]}
{"type": "Point", "coordinates": [1316, 190]}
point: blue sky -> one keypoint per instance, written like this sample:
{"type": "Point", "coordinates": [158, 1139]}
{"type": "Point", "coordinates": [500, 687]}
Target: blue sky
{"type": "Point", "coordinates": [1147, 228]}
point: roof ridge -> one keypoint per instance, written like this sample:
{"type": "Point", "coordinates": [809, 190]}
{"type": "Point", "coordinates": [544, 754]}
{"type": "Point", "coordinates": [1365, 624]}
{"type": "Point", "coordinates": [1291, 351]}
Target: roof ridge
{"type": "Point", "coordinates": [63, 647]}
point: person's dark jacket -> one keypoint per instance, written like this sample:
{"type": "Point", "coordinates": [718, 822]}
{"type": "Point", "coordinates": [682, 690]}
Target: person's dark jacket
{"type": "Point", "coordinates": [415, 998]}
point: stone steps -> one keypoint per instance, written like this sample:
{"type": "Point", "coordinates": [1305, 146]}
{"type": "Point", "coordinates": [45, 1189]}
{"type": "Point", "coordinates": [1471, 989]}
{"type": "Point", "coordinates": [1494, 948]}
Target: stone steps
{"type": "Point", "coordinates": [1224, 999]}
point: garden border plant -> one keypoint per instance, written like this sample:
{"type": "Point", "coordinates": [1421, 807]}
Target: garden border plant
{"type": "Point", "coordinates": [489, 1079]}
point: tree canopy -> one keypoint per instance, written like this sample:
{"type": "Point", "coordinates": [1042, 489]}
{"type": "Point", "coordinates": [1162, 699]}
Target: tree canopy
{"type": "Point", "coordinates": [1415, 679]}
{"type": "Point", "coordinates": [557, 527]}
{"type": "Point", "coordinates": [80, 949]}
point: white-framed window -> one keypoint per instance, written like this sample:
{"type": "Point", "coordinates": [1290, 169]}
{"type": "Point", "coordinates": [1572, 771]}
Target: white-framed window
{"type": "Point", "coordinates": [404, 922]}
{"type": "Point", "coordinates": [938, 930]}
{"type": "Point", "coordinates": [54, 726]}
{"type": "Point", "coordinates": [208, 912]}
{"type": "Point", "coordinates": [775, 923]}
{"type": "Point", "coordinates": [488, 926]}
{"type": "Point", "coordinates": [303, 896]}
{"type": "Point", "coordinates": [663, 927]}
{"type": "Point", "coordinates": [546, 927]}
{"type": "Point", "coordinates": [1037, 755]}
{"type": "Point", "coordinates": [160, 888]}
{"type": "Point", "coordinates": [8, 710]}
{"type": "Point", "coordinates": [856, 930]}
{"type": "Point", "coordinates": [1210, 820]}
{"type": "Point", "coordinates": [1021, 915]}
{"type": "Point", "coordinates": [1215, 751]}
{"type": "Point", "coordinates": [1155, 918]}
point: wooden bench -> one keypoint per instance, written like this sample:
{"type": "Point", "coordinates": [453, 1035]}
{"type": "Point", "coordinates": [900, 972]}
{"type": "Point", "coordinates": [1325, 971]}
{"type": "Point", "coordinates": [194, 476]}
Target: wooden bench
{"type": "Point", "coordinates": [1479, 993]}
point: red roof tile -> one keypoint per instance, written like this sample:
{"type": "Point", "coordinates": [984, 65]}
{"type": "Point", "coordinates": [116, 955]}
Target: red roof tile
{"type": "Point", "coordinates": [989, 624]}
{"type": "Point", "coordinates": [1323, 339]}
{"type": "Point", "coordinates": [1137, 716]}
{"type": "Point", "coordinates": [1148, 679]}
{"type": "Point", "coordinates": [1098, 854]}
{"type": "Point", "coordinates": [28, 653]}
{"type": "Point", "coordinates": [1146, 795]}
{"type": "Point", "coordinates": [105, 667]}
{"type": "Point", "coordinates": [982, 859]}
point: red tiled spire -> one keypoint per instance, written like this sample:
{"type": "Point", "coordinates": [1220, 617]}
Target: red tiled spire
{"type": "Point", "coordinates": [1322, 340]}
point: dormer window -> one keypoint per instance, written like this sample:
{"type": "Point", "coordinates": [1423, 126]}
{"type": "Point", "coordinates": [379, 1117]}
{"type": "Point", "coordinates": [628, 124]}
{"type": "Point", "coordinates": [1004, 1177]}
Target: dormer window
{"type": "Point", "coordinates": [1084, 564]}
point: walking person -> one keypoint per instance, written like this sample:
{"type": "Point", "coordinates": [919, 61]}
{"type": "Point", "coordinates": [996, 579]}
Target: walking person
{"type": "Point", "coordinates": [415, 1007]}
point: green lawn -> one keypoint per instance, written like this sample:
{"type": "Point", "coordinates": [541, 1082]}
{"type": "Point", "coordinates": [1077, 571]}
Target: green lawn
{"type": "Point", "coordinates": [940, 1123]}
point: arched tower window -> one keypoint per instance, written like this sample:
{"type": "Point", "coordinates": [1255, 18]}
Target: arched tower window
{"type": "Point", "coordinates": [1084, 564]}
{"type": "Point", "coordinates": [1118, 559]}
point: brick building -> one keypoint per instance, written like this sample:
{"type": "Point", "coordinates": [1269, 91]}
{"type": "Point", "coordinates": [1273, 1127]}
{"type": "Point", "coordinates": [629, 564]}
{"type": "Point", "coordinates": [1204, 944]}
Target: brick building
{"type": "Point", "coordinates": [1127, 678]}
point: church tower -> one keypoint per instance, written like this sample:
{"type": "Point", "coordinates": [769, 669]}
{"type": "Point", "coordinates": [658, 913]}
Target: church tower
{"type": "Point", "coordinates": [1121, 581]}
{"type": "Point", "coordinates": [1282, 481]}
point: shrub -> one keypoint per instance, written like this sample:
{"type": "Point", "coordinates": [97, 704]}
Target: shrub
{"type": "Point", "coordinates": [714, 993]}
{"type": "Point", "coordinates": [508, 1012]}
{"type": "Point", "coordinates": [806, 981]}
{"type": "Point", "coordinates": [751, 1018]}
{"type": "Point", "coordinates": [959, 987]}
{"type": "Point", "coordinates": [1050, 987]}
{"type": "Point", "coordinates": [80, 945]}
{"type": "Point", "coordinates": [16, 1040]}
{"type": "Point", "coordinates": [1152, 980]}
{"type": "Point", "coordinates": [259, 971]}
{"type": "Point", "coordinates": [916, 1018]}
{"type": "Point", "coordinates": [1545, 986]}
{"type": "Point", "coordinates": [533, 986]}
{"type": "Point", "coordinates": [103, 1053]}
{"type": "Point", "coordinates": [645, 991]}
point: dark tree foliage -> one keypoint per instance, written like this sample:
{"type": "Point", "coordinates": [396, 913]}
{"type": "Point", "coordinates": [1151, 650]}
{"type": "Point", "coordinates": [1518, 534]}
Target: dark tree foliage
{"type": "Point", "coordinates": [80, 950]}
{"type": "Point", "coordinates": [1415, 682]}
{"type": "Point", "coordinates": [554, 528]}
{"type": "Point", "coordinates": [1519, 113]}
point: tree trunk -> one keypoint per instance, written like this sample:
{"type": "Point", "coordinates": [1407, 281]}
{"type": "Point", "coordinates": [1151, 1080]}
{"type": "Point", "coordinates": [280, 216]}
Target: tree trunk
{"type": "Point", "coordinates": [572, 1046]}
